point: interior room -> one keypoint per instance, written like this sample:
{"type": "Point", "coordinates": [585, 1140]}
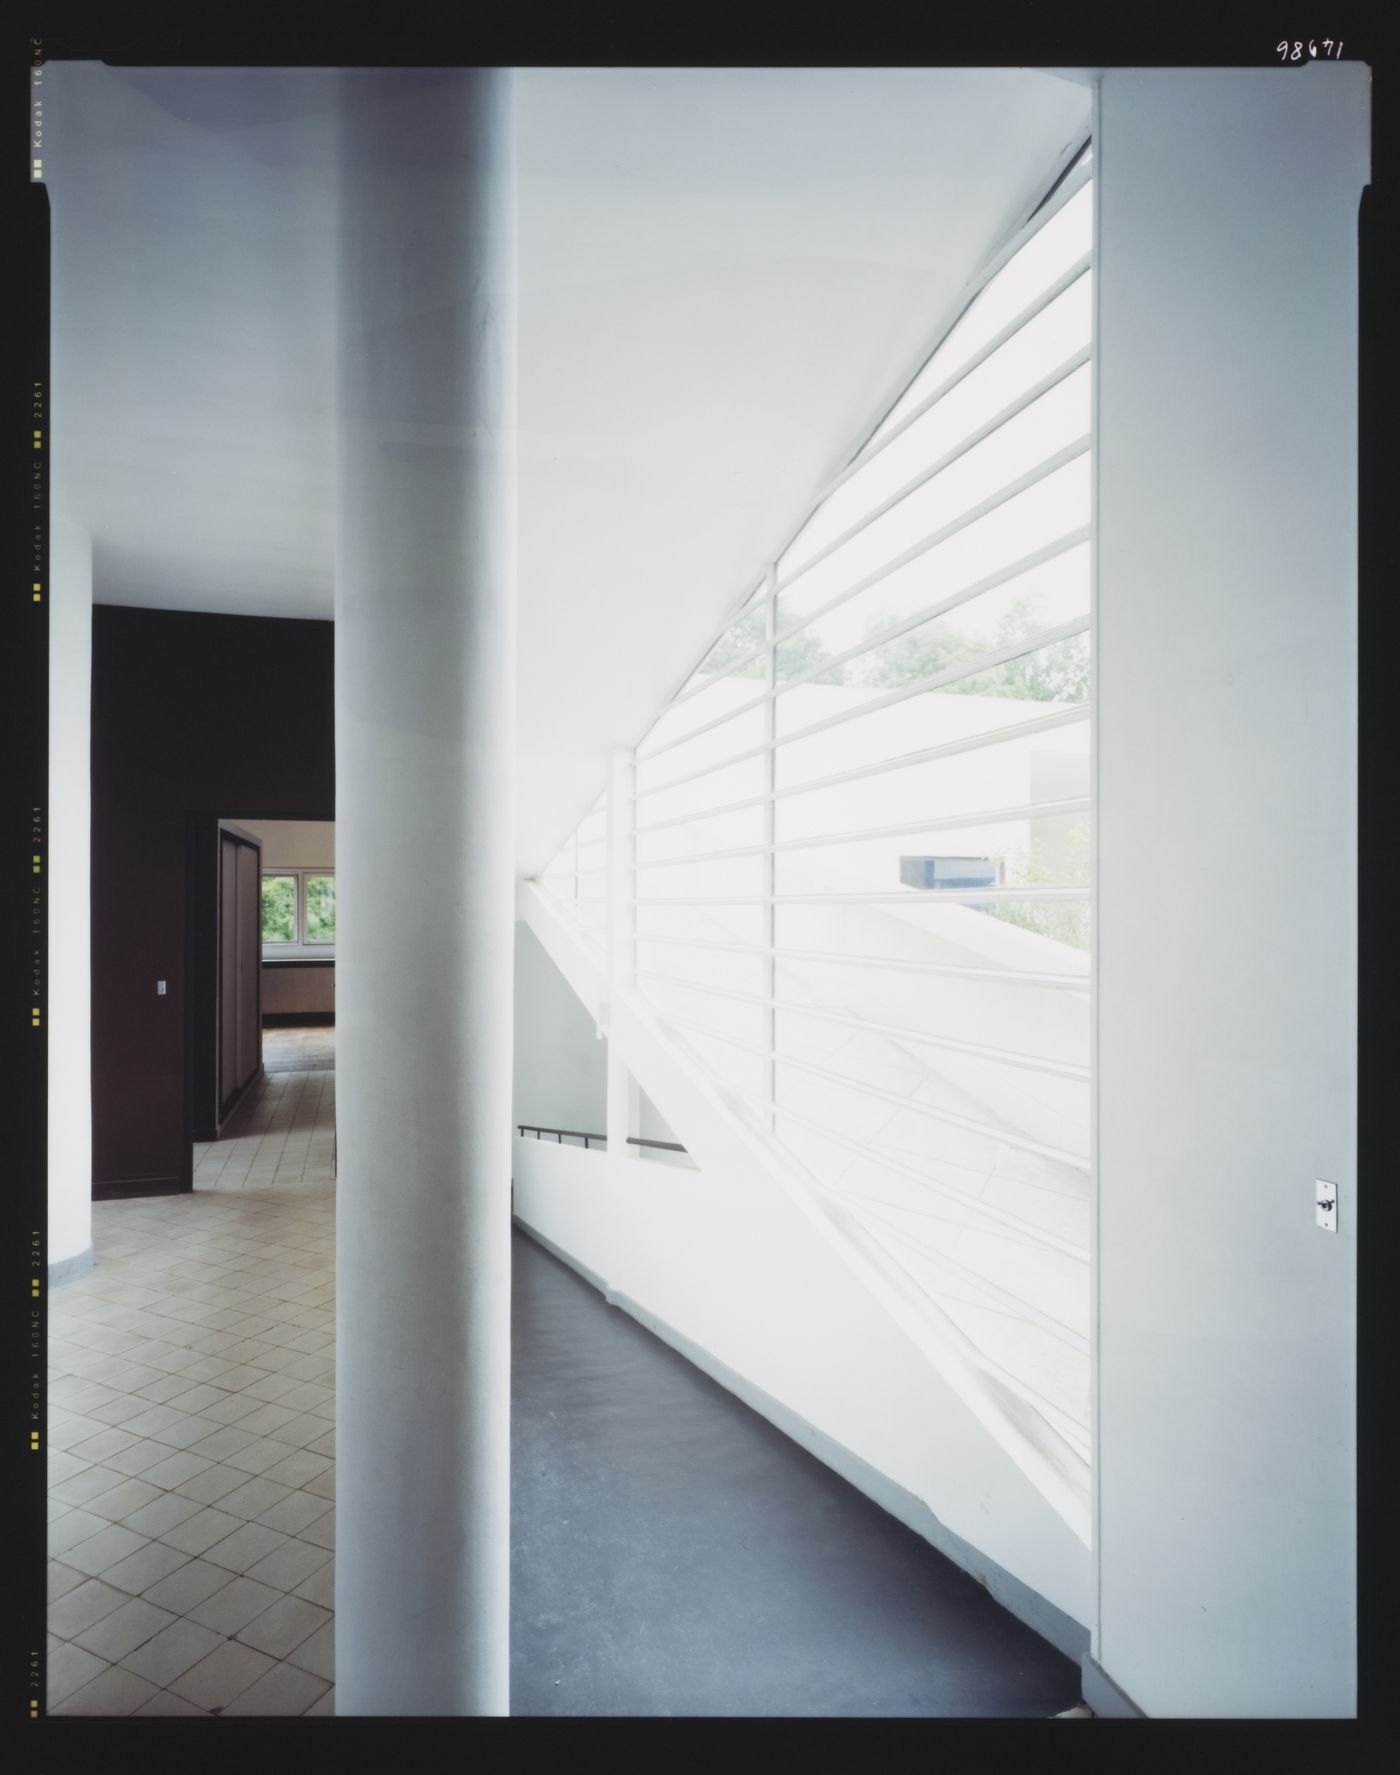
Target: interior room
{"type": "Point", "coordinates": [670, 692]}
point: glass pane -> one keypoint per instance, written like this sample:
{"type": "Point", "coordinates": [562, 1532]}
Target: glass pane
{"type": "Point", "coordinates": [1056, 420]}
{"type": "Point", "coordinates": [1065, 238]}
{"type": "Point", "coordinates": [1050, 340]}
{"type": "Point", "coordinates": [279, 908]}
{"type": "Point", "coordinates": [320, 909]}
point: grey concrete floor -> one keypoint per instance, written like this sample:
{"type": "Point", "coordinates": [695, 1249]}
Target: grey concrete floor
{"type": "Point", "coordinates": [674, 1554]}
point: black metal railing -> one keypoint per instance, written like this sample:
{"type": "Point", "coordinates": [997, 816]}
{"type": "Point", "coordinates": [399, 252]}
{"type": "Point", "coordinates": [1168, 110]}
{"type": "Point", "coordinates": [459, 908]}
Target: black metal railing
{"type": "Point", "coordinates": [560, 1134]}
{"type": "Point", "coordinates": [563, 1134]}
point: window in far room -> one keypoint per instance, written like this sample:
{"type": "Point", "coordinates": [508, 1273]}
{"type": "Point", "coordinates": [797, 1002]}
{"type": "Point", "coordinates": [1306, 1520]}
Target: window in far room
{"type": "Point", "coordinates": [298, 911]}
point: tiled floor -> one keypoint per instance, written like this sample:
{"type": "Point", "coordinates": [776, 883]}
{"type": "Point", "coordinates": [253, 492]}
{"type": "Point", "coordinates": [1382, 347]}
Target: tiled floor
{"type": "Point", "coordinates": [299, 1050]}
{"type": "Point", "coordinates": [192, 1433]}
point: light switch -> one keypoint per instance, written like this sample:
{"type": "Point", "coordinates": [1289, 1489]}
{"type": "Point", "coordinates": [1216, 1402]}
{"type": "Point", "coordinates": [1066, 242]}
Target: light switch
{"type": "Point", "coordinates": [160, 988]}
{"type": "Point", "coordinates": [1327, 1206]}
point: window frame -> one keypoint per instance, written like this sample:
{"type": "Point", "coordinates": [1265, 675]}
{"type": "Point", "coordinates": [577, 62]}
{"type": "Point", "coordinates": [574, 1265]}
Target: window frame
{"type": "Point", "coordinates": [301, 948]}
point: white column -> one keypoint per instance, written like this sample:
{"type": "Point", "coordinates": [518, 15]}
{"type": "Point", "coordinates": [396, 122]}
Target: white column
{"type": "Point", "coordinates": [67, 865]}
{"type": "Point", "coordinates": [425, 675]}
{"type": "Point", "coordinates": [1226, 443]}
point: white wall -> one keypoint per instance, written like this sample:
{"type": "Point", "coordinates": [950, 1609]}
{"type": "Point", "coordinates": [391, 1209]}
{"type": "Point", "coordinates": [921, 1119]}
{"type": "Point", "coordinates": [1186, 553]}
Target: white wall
{"type": "Point", "coordinates": [294, 844]}
{"type": "Point", "coordinates": [724, 1256]}
{"type": "Point", "coordinates": [1226, 659]}
{"type": "Point", "coordinates": [69, 983]}
{"type": "Point", "coordinates": [561, 1065]}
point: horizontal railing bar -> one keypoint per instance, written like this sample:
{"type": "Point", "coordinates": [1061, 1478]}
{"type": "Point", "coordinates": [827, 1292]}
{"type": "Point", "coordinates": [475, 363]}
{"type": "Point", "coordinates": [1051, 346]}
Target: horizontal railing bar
{"type": "Point", "coordinates": [911, 896]}
{"type": "Point", "coordinates": [875, 442]}
{"type": "Point", "coordinates": [670, 1146]}
{"type": "Point", "coordinates": [1032, 311]}
{"type": "Point", "coordinates": [978, 436]}
{"type": "Point", "coordinates": [1002, 816]}
{"type": "Point", "coordinates": [1041, 472]}
{"type": "Point", "coordinates": [1022, 1310]}
{"type": "Point", "coordinates": [988, 583]}
{"type": "Point", "coordinates": [560, 1133]}
{"type": "Point", "coordinates": [1007, 976]}
{"type": "Point", "coordinates": [734, 1041]}
{"type": "Point", "coordinates": [956, 674]}
{"type": "Point", "coordinates": [932, 1112]}
{"type": "Point", "coordinates": [1000, 1216]}
{"type": "Point", "coordinates": [964, 521]}
{"type": "Point", "coordinates": [989, 427]}
{"type": "Point", "coordinates": [973, 742]}
{"type": "Point", "coordinates": [881, 637]}
{"type": "Point", "coordinates": [1054, 1418]}
{"type": "Point", "coordinates": [1065, 1069]}
{"type": "Point", "coordinates": [1050, 208]}
{"type": "Point", "coordinates": [968, 1124]}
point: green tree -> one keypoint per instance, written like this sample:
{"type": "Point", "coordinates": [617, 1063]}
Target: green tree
{"type": "Point", "coordinates": [1059, 673]}
{"type": "Point", "coordinates": [794, 657]}
{"type": "Point", "coordinates": [1067, 921]}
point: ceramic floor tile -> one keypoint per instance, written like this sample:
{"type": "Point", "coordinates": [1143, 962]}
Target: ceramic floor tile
{"type": "Point", "coordinates": [240, 1601]}
{"type": "Point", "coordinates": [188, 1586]}
{"type": "Point", "coordinates": [138, 1460]}
{"type": "Point", "coordinates": [196, 1534]}
{"type": "Point", "coordinates": [172, 1652]}
{"type": "Point", "coordinates": [289, 1565]}
{"type": "Point", "coordinates": [263, 1456]}
{"type": "Point", "coordinates": [62, 1579]}
{"type": "Point", "coordinates": [299, 1469]}
{"type": "Point", "coordinates": [324, 1708]}
{"type": "Point", "coordinates": [67, 1672]}
{"type": "Point", "coordinates": [141, 1570]}
{"type": "Point", "coordinates": [89, 1482]}
{"type": "Point", "coordinates": [323, 1485]}
{"type": "Point", "coordinates": [301, 1432]}
{"type": "Point", "coordinates": [321, 1532]}
{"type": "Point", "coordinates": [81, 1607]}
{"type": "Point", "coordinates": [127, 1496]}
{"type": "Point", "coordinates": [175, 1468]}
{"type": "Point", "coordinates": [317, 1654]}
{"type": "Point", "coordinates": [110, 1544]}
{"type": "Point", "coordinates": [223, 1675]}
{"type": "Point", "coordinates": [223, 1442]}
{"type": "Point", "coordinates": [164, 1703]}
{"type": "Point", "coordinates": [211, 1483]}
{"type": "Point", "coordinates": [249, 1543]}
{"type": "Point", "coordinates": [109, 1442]}
{"type": "Point", "coordinates": [165, 1512]}
{"type": "Point", "coordinates": [282, 1690]}
{"type": "Point", "coordinates": [283, 1626]}
{"type": "Point", "coordinates": [61, 1465]}
{"type": "Point", "coordinates": [254, 1499]}
{"type": "Point", "coordinates": [295, 1512]}
{"type": "Point", "coordinates": [112, 1695]}
{"type": "Point", "coordinates": [187, 1431]}
{"type": "Point", "coordinates": [268, 1419]}
{"type": "Point", "coordinates": [124, 1629]}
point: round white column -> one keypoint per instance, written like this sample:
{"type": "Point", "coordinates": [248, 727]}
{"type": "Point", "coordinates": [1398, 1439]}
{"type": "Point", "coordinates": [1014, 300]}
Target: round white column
{"type": "Point", "coordinates": [424, 695]}
{"type": "Point", "coordinates": [69, 593]}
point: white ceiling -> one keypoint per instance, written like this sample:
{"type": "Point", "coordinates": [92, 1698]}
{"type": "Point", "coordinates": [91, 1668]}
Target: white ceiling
{"type": "Point", "coordinates": [725, 277]}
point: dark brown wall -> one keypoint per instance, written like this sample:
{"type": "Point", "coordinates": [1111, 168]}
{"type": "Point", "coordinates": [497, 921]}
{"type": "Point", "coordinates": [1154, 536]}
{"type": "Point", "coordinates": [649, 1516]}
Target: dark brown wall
{"type": "Point", "coordinates": [228, 715]}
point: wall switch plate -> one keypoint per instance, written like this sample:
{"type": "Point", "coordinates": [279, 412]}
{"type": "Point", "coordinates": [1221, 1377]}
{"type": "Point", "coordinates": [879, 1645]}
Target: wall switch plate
{"type": "Point", "coordinates": [1327, 1206]}
{"type": "Point", "coordinates": [160, 988]}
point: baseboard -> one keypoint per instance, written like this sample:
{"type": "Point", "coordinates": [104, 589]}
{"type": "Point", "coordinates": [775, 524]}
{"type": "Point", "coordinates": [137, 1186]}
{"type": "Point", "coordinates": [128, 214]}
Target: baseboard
{"type": "Point", "coordinates": [1104, 1696]}
{"type": "Point", "coordinates": [68, 1269]}
{"type": "Point", "coordinates": [117, 1189]}
{"type": "Point", "coordinates": [1062, 1631]}
{"type": "Point", "coordinates": [298, 1020]}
